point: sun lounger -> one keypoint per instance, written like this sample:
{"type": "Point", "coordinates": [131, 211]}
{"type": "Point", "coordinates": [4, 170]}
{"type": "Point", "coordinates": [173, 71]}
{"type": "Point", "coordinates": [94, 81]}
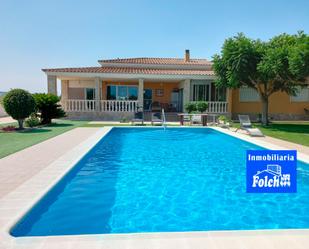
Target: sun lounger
{"type": "Point", "coordinates": [246, 125]}
{"type": "Point", "coordinates": [156, 117]}
{"type": "Point", "coordinates": [138, 118]}
{"type": "Point", "coordinates": [254, 132]}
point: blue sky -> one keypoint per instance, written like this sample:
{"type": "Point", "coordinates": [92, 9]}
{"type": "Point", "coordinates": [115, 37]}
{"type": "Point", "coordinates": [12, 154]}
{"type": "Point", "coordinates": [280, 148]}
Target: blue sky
{"type": "Point", "coordinates": [63, 33]}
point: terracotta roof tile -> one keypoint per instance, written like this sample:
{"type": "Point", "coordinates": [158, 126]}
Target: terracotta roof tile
{"type": "Point", "coordinates": [158, 61]}
{"type": "Point", "coordinates": [130, 70]}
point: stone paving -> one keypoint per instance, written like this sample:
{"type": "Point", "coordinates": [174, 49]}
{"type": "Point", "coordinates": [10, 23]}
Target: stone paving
{"type": "Point", "coordinates": [19, 167]}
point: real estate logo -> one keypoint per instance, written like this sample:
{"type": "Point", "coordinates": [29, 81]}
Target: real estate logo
{"type": "Point", "coordinates": [271, 171]}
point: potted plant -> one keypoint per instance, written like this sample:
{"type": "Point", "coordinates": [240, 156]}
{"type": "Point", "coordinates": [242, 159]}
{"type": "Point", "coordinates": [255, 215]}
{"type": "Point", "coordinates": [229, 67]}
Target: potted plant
{"type": "Point", "coordinates": [201, 106]}
{"type": "Point", "coordinates": [224, 121]}
{"type": "Point", "coordinates": [190, 107]}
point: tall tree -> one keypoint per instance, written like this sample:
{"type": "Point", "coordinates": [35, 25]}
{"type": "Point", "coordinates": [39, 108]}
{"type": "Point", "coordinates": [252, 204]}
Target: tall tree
{"type": "Point", "coordinates": [280, 64]}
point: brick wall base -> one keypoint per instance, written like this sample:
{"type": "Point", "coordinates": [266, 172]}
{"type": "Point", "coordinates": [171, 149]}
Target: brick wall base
{"type": "Point", "coordinates": [114, 116]}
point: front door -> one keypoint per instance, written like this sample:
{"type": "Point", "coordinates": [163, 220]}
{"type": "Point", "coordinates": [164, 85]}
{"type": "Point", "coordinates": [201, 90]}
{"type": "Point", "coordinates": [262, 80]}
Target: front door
{"type": "Point", "coordinates": [147, 99]}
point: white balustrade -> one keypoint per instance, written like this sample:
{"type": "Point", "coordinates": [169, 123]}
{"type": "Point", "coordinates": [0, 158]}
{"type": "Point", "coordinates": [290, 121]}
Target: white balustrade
{"type": "Point", "coordinates": [80, 105]}
{"type": "Point", "coordinates": [217, 107]}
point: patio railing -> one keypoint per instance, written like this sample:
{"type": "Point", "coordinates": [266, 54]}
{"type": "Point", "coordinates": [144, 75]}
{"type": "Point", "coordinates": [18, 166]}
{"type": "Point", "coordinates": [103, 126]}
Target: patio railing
{"type": "Point", "coordinates": [217, 107]}
{"type": "Point", "coordinates": [118, 105]}
{"type": "Point", "coordinates": [80, 105]}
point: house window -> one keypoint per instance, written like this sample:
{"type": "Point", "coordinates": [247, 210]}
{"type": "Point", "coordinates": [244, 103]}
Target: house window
{"type": "Point", "coordinates": [200, 90]}
{"type": "Point", "coordinates": [301, 96]}
{"type": "Point", "coordinates": [132, 93]}
{"type": "Point", "coordinates": [111, 92]}
{"type": "Point", "coordinates": [89, 93]}
{"type": "Point", "coordinates": [247, 94]}
{"type": "Point", "coordinates": [219, 93]}
{"type": "Point", "coordinates": [122, 92]}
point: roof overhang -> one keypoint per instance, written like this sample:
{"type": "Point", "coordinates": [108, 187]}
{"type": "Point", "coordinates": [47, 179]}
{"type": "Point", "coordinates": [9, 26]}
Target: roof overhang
{"type": "Point", "coordinates": [156, 66]}
{"type": "Point", "coordinates": [130, 76]}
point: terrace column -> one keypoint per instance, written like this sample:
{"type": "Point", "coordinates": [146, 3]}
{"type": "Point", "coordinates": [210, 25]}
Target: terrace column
{"type": "Point", "coordinates": [64, 90]}
{"type": "Point", "coordinates": [52, 84]}
{"type": "Point", "coordinates": [97, 93]}
{"type": "Point", "coordinates": [140, 95]}
{"type": "Point", "coordinates": [186, 93]}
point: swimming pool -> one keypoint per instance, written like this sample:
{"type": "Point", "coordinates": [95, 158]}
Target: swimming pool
{"type": "Point", "coordinates": [151, 180]}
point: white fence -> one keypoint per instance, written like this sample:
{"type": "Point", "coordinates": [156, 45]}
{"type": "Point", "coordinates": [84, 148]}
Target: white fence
{"type": "Point", "coordinates": [118, 105]}
{"type": "Point", "coordinates": [80, 105]}
{"type": "Point", "coordinates": [217, 107]}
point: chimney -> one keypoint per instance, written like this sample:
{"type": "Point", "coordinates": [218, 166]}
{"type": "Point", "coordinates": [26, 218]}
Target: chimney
{"type": "Point", "coordinates": [187, 55]}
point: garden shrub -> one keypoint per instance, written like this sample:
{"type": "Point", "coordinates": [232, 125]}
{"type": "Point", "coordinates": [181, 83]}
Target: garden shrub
{"type": "Point", "coordinates": [32, 121]}
{"type": "Point", "coordinates": [198, 106]}
{"type": "Point", "coordinates": [224, 119]}
{"type": "Point", "coordinates": [48, 107]}
{"type": "Point", "coordinates": [201, 106]}
{"type": "Point", "coordinates": [19, 104]}
{"type": "Point", "coordinates": [190, 107]}
{"type": "Point", "coordinates": [8, 128]}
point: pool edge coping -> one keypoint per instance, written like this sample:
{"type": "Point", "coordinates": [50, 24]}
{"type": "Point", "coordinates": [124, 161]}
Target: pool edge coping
{"type": "Point", "coordinates": [300, 156]}
{"type": "Point", "coordinates": [43, 180]}
{"type": "Point", "coordinates": [55, 171]}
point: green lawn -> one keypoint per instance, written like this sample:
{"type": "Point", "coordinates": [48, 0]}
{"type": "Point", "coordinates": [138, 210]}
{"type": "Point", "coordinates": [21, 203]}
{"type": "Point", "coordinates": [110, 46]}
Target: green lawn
{"type": "Point", "coordinates": [297, 132]}
{"type": "Point", "coordinates": [11, 142]}
{"type": "Point", "coordinates": [292, 132]}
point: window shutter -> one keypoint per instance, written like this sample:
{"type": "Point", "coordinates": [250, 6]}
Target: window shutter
{"type": "Point", "coordinates": [247, 94]}
{"type": "Point", "coordinates": [302, 95]}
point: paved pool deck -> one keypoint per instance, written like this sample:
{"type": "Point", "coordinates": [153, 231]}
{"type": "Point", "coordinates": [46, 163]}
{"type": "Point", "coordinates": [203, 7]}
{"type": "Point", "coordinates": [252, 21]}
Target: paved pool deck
{"type": "Point", "coordinates": [28, 174]}
{"type": "Point", "coordinates": [19, 167]}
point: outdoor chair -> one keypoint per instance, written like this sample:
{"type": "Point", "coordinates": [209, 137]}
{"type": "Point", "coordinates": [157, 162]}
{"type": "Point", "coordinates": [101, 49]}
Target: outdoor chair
{"type": "Point", "coordinates": [138, 118]}
{"type": "Point", "coordinates": [245, 124]}
{"type": "Point", "coordinates": [156, 117]}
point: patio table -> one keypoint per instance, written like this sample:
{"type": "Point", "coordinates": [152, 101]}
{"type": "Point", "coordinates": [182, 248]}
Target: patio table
{"type": "Point", "coordinates": [203, 115]}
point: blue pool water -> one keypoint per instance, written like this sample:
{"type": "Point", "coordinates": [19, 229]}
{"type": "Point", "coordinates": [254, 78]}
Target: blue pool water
{"type": "Point", "coordinates": [151, 180]}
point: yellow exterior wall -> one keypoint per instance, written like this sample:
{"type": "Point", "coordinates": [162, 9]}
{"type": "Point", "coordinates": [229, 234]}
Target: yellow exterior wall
{"type": "Point", "coordinates": [279, 103]}
{"type": "Point", "coordinates": [167, 90]}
